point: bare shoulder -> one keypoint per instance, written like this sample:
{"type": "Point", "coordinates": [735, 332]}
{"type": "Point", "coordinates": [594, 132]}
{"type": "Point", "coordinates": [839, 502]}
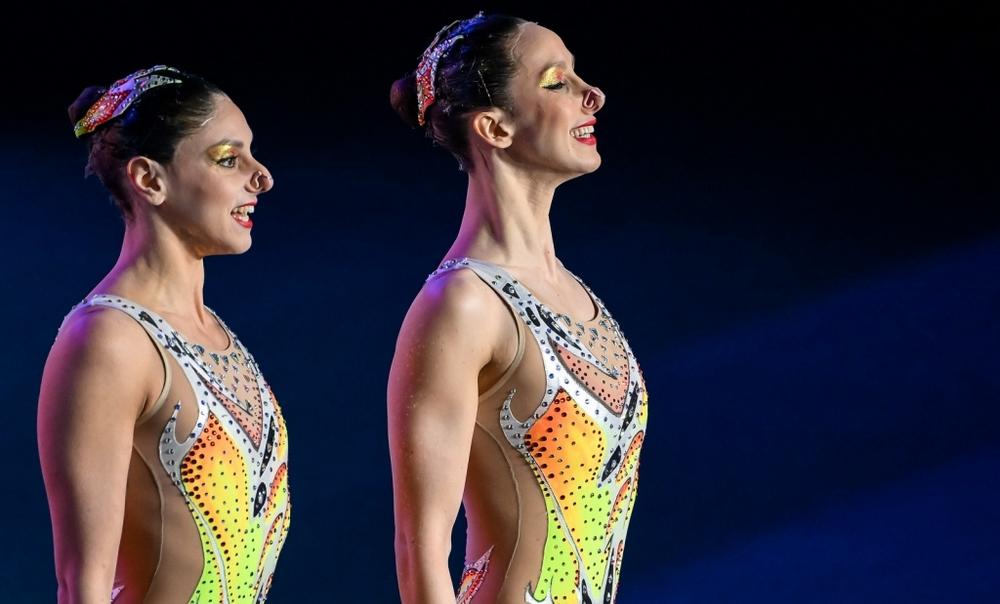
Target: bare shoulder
{"type": "Point", "coordinates": [457, 303]}
{"type": "Point", "coordinates": [100, 353]}
{"type": "Point", "coordinates": [97, 331]}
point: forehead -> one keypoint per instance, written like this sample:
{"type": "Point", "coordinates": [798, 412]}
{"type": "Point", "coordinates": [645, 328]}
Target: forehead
{"type": "Point", "coordinates": [537, 47]}
{"type": "Point", "coordinates": [226, 121]}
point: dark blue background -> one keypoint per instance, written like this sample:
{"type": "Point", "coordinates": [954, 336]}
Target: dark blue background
{"type": "Point", "coordinates": [796, 224]}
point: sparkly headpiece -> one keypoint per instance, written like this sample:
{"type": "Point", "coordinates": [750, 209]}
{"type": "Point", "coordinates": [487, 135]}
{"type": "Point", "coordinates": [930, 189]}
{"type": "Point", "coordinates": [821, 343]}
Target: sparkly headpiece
{"type": "Point", "coordinates": [427, 70]}
{"type": "Point", "coordinates": [121, 95]}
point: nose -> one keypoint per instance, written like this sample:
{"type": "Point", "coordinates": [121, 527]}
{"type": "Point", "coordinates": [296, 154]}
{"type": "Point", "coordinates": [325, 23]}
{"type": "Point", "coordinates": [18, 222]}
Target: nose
{"type": "Point", "coordinates": [593, 99]}
{"type": "Point", "coordinates": [261, 180]}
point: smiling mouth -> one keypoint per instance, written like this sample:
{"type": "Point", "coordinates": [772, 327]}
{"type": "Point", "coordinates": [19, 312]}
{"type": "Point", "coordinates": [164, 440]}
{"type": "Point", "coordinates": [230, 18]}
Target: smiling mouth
{"type": "Point", "coordinates": [582, 132]}
{"type": "Point", "coordinates": [242, 214]}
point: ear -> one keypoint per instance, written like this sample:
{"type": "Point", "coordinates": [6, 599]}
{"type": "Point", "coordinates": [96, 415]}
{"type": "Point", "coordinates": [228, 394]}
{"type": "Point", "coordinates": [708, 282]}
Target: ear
{"type": "Point", "coordinates": [146, 179]}
{"type": "Point", "coordinates": [493, 127]}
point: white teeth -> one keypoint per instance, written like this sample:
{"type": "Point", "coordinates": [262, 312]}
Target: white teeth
{"type": "Point", "coordinates": [583, 132]}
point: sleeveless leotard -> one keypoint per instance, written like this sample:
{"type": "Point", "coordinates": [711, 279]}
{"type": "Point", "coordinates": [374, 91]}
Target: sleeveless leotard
{"type": "Point", "coordinates": [229, 471]}
{"type": "Point", "coordinates": [552, 480]}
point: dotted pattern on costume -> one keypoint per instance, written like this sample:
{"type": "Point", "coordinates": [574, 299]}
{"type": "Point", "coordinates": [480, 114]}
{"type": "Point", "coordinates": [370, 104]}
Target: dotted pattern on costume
{"type": "Point", "coordinates": [582, 442]}
{"type": "Point", "coordinates": [608, 389]}
{"type": "Point", "coordinates": [631, 459]}
{"type": "Point", "coordinates": [567, 447]}
{"type": "Point", "coordinates": [249, 414]}
{"type": "Point", "coordinates": [231, 468]}
{"type": "Point", "coordinates": [215, 476]}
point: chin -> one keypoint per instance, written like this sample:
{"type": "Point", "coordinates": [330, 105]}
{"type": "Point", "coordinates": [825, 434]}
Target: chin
{"type": "Point", "coordinates": [588, 161]}
{"type": "Point", "coordinates": [245, 247]}
{"type": "Point", "coordinates": [233, 248]}
{"type": "Point", "coordinates": [590, 165]}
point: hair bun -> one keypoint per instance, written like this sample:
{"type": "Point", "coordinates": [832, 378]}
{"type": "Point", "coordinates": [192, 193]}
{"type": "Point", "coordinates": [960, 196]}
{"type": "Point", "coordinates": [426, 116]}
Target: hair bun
{"type": "Point", "coordinates": [403, 98]}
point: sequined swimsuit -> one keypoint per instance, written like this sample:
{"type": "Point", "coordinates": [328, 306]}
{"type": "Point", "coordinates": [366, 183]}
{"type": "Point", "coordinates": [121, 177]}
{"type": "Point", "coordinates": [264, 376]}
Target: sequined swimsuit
{"type": "Point", "coordinates": [230, 471]}
{"type": "Point", "coordinates": [572, 457]}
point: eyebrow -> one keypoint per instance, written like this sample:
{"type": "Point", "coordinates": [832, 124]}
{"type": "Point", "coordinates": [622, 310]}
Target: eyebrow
{"type": "Point", "coordinates": [572, 65]}
{"type": "Point", "coordinates": [230, 142]}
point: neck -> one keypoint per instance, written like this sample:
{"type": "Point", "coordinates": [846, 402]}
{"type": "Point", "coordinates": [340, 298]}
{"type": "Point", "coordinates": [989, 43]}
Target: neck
{"type": "Point", "coordinates": [158, 270]}
{"type": "Point", "coordinates": [506, 219]}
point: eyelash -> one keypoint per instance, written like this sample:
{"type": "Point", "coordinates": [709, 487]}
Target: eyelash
{"type": "Point", "coordinates": [556, 86]}
{"type": "Point", "coordinates": [222, 162]}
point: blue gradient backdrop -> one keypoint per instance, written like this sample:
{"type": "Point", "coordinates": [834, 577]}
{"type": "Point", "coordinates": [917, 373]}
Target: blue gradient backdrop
{"type": "Point", "coordinates": [796, 224]}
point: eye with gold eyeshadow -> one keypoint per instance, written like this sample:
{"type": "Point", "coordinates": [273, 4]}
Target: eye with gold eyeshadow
{"type": "Point", "coordinates": [225, 155]}
{"type": "Point", "coordinates": [553, 78]}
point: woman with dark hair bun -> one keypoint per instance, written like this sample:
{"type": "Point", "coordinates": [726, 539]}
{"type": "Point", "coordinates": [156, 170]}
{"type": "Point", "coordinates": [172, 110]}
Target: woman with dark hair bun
{"type": "Point", "coordinates": [512, 391]}
{"type": "Point", "coordinates": [163, 448]}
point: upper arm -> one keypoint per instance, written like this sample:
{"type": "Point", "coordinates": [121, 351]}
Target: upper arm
{"type": "Point", "coordinates": [95, 385]}
{"type": "Point", "coordinates": [449, 335]}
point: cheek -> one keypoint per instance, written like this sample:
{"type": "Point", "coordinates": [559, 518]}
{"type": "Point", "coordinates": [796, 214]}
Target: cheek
{"type": "Point", "coordinates": [548, 123]}
{"type": "Point", "coordinates": [197, 194]}
{"type": "Point", "coordinates": [202, 198]}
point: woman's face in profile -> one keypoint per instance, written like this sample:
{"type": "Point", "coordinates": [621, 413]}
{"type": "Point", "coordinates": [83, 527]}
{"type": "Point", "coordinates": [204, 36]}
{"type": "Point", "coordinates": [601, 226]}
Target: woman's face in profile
{"type": "Point", "coordinates": [213, 182]}
{"type": "Point", "coordinates": [554, 107]}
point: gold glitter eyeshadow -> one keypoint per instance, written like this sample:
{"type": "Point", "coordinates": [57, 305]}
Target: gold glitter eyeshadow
{"type": "Point", "coordinates": [221, 152]}
{"type": "Point", "coordinates": [551, 77]}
